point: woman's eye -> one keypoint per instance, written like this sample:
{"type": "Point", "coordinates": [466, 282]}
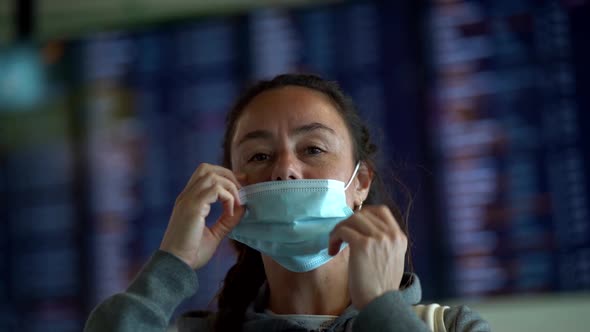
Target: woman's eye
{"type": "Point", "coordinates": [259, 157]}
{"type": "Point", "coordinates": [313, 150]}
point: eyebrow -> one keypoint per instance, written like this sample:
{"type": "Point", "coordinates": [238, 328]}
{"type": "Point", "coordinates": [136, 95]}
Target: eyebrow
{"type": "Point", "coordinates": [264, 134]}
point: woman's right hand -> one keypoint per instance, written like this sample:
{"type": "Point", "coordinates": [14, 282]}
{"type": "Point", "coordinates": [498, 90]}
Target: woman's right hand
{"type": "Point", "coordinates": [187, 236]}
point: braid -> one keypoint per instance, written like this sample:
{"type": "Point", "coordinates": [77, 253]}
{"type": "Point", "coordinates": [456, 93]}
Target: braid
{"type": "Point", "coordinates": [240, 287]}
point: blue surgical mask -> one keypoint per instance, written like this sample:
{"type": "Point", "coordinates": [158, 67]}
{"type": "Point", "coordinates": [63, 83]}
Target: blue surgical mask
{"type": "Point", "coordinates": [291, 220]}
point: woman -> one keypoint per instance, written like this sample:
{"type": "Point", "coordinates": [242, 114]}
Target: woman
{"type": "Point", "coordinates": [321, 255]}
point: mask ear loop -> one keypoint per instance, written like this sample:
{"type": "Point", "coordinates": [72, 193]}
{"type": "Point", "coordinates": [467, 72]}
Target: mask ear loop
{"type": "Point", "coordinates": [356, 168]}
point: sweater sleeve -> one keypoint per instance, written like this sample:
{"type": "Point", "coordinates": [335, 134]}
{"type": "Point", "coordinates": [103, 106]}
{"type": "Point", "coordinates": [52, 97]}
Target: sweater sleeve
{"type": "Point", "coordinates": [463, 319]}
{"type": "Point", "coordinates": [388, 312]}
{"type": "Point", "coordinates": [149, 302]}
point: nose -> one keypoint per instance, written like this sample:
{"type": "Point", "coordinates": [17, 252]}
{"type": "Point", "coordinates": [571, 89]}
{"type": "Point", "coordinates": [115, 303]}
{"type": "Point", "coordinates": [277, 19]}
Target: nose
{"type": "Point", "coordinates": [286, 167]}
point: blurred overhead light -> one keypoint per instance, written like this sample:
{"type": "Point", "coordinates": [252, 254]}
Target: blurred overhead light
{"type": "Point", "coordinates": [22, 78]}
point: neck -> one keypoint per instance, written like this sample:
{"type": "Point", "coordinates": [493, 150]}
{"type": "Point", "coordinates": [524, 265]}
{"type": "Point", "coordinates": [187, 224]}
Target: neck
{"type": "Point", "coordinates": [323, 291]}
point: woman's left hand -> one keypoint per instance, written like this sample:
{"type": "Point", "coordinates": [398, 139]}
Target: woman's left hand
{"type": "Point", "coordinates": [377, 251]}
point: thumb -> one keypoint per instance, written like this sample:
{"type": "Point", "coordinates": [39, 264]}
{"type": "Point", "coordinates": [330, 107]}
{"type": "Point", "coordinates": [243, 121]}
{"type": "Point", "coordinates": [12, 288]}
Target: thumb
{"type": "Point", "coordinates": [334, 244]}
{"type": "Point", "coordinates": [227, 222]}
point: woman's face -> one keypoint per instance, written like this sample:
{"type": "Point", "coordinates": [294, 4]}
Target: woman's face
{"type": "Point", "coordinates": [292, 133]}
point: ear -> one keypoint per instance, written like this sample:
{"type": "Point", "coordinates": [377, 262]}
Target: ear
{"type": "Point", "coordinates": [362, 183]}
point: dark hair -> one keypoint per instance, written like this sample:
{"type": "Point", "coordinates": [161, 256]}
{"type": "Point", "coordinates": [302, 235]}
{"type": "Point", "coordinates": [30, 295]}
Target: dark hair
{"type": "Point", "coordinates": [244, 279]}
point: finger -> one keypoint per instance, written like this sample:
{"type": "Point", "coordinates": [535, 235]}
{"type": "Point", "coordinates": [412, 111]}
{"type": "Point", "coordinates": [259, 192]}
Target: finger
{"type": "Point", "coordinates": [376, 221]}
{"type": "Point", "coordinates": [218, 193]}
{"type": "Point", "coordinates": [229, 186]}
{"type": "Point", "coordinates": [393, 230]}
{"type": "Point", "coordinates": [386, 219]}
{"type": "Point", "coordinates": [214, 180]}
{"type": "Point", "coordinates": [198, 173]}
{"type": "Point", "coordinates": [228, 174]}
{"type": "Point", "coordinates": [205, 169]}
{"type": "Point", "coordinates": [230, 221]}
{"type": "Point", "coordinates": [226, 223]}
{"type": "Point", "coordinates": [365, 224]}
{"type": "Point", "coordinates": [342, 233]}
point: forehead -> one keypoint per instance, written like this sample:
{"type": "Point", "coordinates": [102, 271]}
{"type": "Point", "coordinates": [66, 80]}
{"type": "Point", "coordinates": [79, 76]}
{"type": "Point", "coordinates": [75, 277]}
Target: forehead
{"type": "Point", "coordinates": [287, 108]}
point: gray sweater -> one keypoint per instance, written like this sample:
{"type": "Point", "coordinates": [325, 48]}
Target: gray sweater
{"type": "Point", "coordinates": [165, 281]}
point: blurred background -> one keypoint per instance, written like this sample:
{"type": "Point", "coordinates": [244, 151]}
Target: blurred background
{"type": "Point", "coordinates": [480, 109]}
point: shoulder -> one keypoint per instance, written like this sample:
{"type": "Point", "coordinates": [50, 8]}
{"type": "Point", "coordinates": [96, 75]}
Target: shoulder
{"type": "Point", "coordinates": [462, 318]}
{"type": "Point", "coordinates": [201, 321]}
{"type": "Point", "coordinates": [440, 317]}
{"type": "Point", "coordinates": [451, 319]}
